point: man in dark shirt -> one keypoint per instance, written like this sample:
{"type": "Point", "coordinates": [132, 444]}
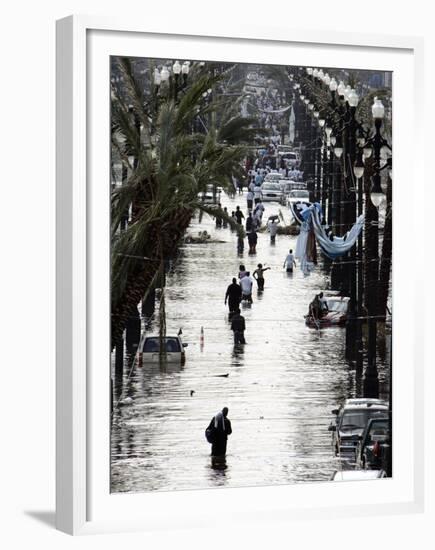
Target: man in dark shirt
{"type": "Point", "coordinates": [239, 215]}
{"type": "Point", "coordinates": [238, 327]}
{"type": "Point", "coordinates": [233, 295]}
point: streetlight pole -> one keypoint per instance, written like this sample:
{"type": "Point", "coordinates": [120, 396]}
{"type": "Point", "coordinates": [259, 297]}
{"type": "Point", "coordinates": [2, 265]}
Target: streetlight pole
{"type": "Point", "coordinates": [371, 381]}
{"type": "Point", "coordinates": [350, 217]}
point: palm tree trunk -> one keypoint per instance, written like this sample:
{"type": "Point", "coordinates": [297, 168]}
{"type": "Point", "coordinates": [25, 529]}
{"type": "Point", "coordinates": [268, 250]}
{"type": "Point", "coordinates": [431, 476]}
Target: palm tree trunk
{"type": "Point", "coordinates": [165, 244]}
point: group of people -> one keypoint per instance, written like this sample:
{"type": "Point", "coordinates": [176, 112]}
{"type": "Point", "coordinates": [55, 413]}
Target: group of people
{"type": "Point", "coordinates": [242, 291]}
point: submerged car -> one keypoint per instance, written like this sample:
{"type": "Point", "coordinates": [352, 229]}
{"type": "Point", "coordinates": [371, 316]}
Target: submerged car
{"type": "Point", "coordinates": [297, 195]}
{"type": "Point", "coordinates": [357, 475]}
{"type": "Point", "coordinates": [271, 191]}
{"type": "Point", "coordinates": [272, 177]}
{"type": "Point", "coordinates": [374, 444]}
{"type": "Point", "coordinates": [173, 351]}
{"type": "Point", "coordinates": [350, 422]}
{"type": "Point", "coordinates": [335, 313]}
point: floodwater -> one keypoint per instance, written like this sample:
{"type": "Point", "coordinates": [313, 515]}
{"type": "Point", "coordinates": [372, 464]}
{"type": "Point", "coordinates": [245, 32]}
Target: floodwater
{"type": "Point", "coordinates": [280, 387]}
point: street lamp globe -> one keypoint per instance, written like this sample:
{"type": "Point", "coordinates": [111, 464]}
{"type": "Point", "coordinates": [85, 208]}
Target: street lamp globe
{"type": "Point", "coordinates": [309, 71]}
{"type": "Point", "coordinates": [358, 168]}
{"type": "Point", "coordinates": [316, 114]}
{"type": "Point", "coordinates": [157, 77]}
{"type": "Point", "coordinates": [185, 68]}
{"type": "Point", "coordinates": [302, 97]}
{"type": "Point", "coordinates": [376, 193]}
{"type": "Point", "coordinates": [310, 106]}
{"type": "Point", "coordinates": [341, 88]}
{"type": "Point", "coordinates": [353, 98]}
{"type": "Point", "coordinates": [338, 151]}
{"type": "Point", "coordinates": [378, 109]}
{"type": "Point", "coordinates": [320, 74]}
{"type": "Point", "coordinates": [333, 140]}
{"type": "Point", "coordinates": [347, 91]}
{"type": "Point", "coordinates": [367, 152]}
{"type": "Point", "coordinates": [328, 131]}
{"type": "Point", "coordinates": [322, 122]}
{"type": "Point", "coordinates": [327, 79]}
{"type": "Point", "coordinates": [333, 85]}
{"type": "Point", "coordinates": [306, 101]}
{"type": "Point", "coordinates": [315, 73]}
{"type": "Point", "coordinates": [176, 67]}
{"type": "Point", "coordinates": [164, 75]}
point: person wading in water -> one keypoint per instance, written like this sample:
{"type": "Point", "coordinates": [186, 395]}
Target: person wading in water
{"type": "Point", "coordinates": [219, 430]}
{"type": "Point", "coordinates": [233, 295]}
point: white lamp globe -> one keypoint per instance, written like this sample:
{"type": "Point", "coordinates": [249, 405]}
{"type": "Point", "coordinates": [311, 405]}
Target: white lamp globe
{"type": "Point", "coordinates": [378, 109]}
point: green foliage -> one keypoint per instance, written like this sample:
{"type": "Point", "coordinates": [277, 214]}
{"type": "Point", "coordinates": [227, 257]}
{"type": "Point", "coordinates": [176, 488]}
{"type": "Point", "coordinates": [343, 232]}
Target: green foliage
{"type": "Point", "coordinates": [169, 163]}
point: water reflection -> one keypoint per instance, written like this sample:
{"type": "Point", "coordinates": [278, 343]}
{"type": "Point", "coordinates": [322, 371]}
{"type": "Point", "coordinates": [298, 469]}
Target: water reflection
{"type": "Point", "coordinates": [280, 387]}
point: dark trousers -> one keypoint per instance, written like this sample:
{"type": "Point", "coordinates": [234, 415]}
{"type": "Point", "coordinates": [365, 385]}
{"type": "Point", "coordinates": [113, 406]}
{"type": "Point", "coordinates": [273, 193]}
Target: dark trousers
{"type": "Point", "coordinates": [239, 338]}
{"type": "Point", "coordinates": [260, 283]}
{"type": "Point", "coordinates": [219, 447]}
{"type": "Point", "coordinates": [233, 305]}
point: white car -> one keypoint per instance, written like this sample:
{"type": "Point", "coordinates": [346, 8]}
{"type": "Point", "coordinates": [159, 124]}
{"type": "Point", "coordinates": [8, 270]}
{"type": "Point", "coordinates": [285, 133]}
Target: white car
{"type": "Point", "coordinates": [357, 475]}
{"type": "Point", "coordinates": [290, 157]}
{"type": "Point", "coordinates": [274, 177]}
{"type": "Point", "coordinates": [297, 195]}
{"type": "Point", "coordinates": [149, 350]}
{"type": "Point", "coordinates": [271, 191]}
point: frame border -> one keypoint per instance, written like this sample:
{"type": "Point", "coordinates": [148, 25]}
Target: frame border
{"type": "Point", "coordinates": [71, 239]}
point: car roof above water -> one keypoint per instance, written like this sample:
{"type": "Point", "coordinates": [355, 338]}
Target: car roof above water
{"type": "Point", "coordinates": [363, 403]}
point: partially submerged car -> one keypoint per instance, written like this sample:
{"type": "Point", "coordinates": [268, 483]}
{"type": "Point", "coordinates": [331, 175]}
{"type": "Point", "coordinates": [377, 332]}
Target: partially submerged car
{"type": "Point", "coordinates": [172, 352]}
{"type": "Point", "coordinates": [357, 475]}
{"type": "Point", "coordinates": [350, 422]}
{"type": "Point", "coordinates": [334, 313]}
{"type": "Point", "coordinates": [271, 191]}
{"type": "Point", "coordinates": [374, 444]}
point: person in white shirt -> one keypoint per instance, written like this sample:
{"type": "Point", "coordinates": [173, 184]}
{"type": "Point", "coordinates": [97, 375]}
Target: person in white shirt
{"type": "Point", "coordinates": [289, 262]}
{"type": "Point", "coordinates": [273, 229]}
{"type": "Point", "coordinates": [257, 193]}
{"type": "Point", "coordinates": [250, 199]}
{"type": "Point", "coordinates": [246, 283]}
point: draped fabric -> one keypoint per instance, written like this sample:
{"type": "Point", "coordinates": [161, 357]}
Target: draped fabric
{"type": "Point", "coordinates": [336, 246]}
{"type": "Point", "coordinates": [312, 230]}
{"type": "Point", "coordinates": [271, 111]}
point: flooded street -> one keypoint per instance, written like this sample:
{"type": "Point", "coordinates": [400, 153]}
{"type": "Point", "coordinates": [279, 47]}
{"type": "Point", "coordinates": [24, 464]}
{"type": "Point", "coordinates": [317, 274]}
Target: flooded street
{"type": "Point", "coordinates": [280, 387]}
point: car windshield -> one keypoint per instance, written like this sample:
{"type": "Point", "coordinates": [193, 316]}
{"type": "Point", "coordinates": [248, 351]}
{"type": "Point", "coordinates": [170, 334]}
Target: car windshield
{"type": "Point", "coordinates": [300, 194]}
{"type": "Point", "coordinates": [271, 187]}
{"type": "Point", "coordinates": [152, 345]}
{"type": "Point", "coordinates": [337, 305]}
{"type": "Point", "coordinates": [357, 419]}
{"type": "Point", "coordinates": [378, 431]}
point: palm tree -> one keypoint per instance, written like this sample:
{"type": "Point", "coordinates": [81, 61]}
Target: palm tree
{"type": "Point", "coordinates": [172, 166]}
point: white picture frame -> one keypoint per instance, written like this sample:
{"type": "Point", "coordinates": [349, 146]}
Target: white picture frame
{"type": "Point", "coordinates": [84, 505]}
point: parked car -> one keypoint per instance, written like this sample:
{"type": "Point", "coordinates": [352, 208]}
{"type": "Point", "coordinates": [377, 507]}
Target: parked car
{"type": "Point", "coordinates": [297, 195]}
{"type": "Point", "coordinates": [272, 177]}
{"type": "Point", "coordinates": [149, 350]}
{"type": "Point", "coordinates": [271, 191]}
{"type": "Point", "coordinates": [374, 444]}
{"type": "Point", "coordinates": [336, 314]}
{"type": "Point", "coordinates": [290, 157]}
{"type": "Point", "coordinates": [350, 422]}
{"type": "Point", "coordinates": [357, 475]}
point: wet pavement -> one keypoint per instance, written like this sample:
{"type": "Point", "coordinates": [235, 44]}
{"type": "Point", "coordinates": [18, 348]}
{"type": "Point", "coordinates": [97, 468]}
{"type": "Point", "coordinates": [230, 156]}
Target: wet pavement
{"type": "Point", "coordinates": [280, 387]}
